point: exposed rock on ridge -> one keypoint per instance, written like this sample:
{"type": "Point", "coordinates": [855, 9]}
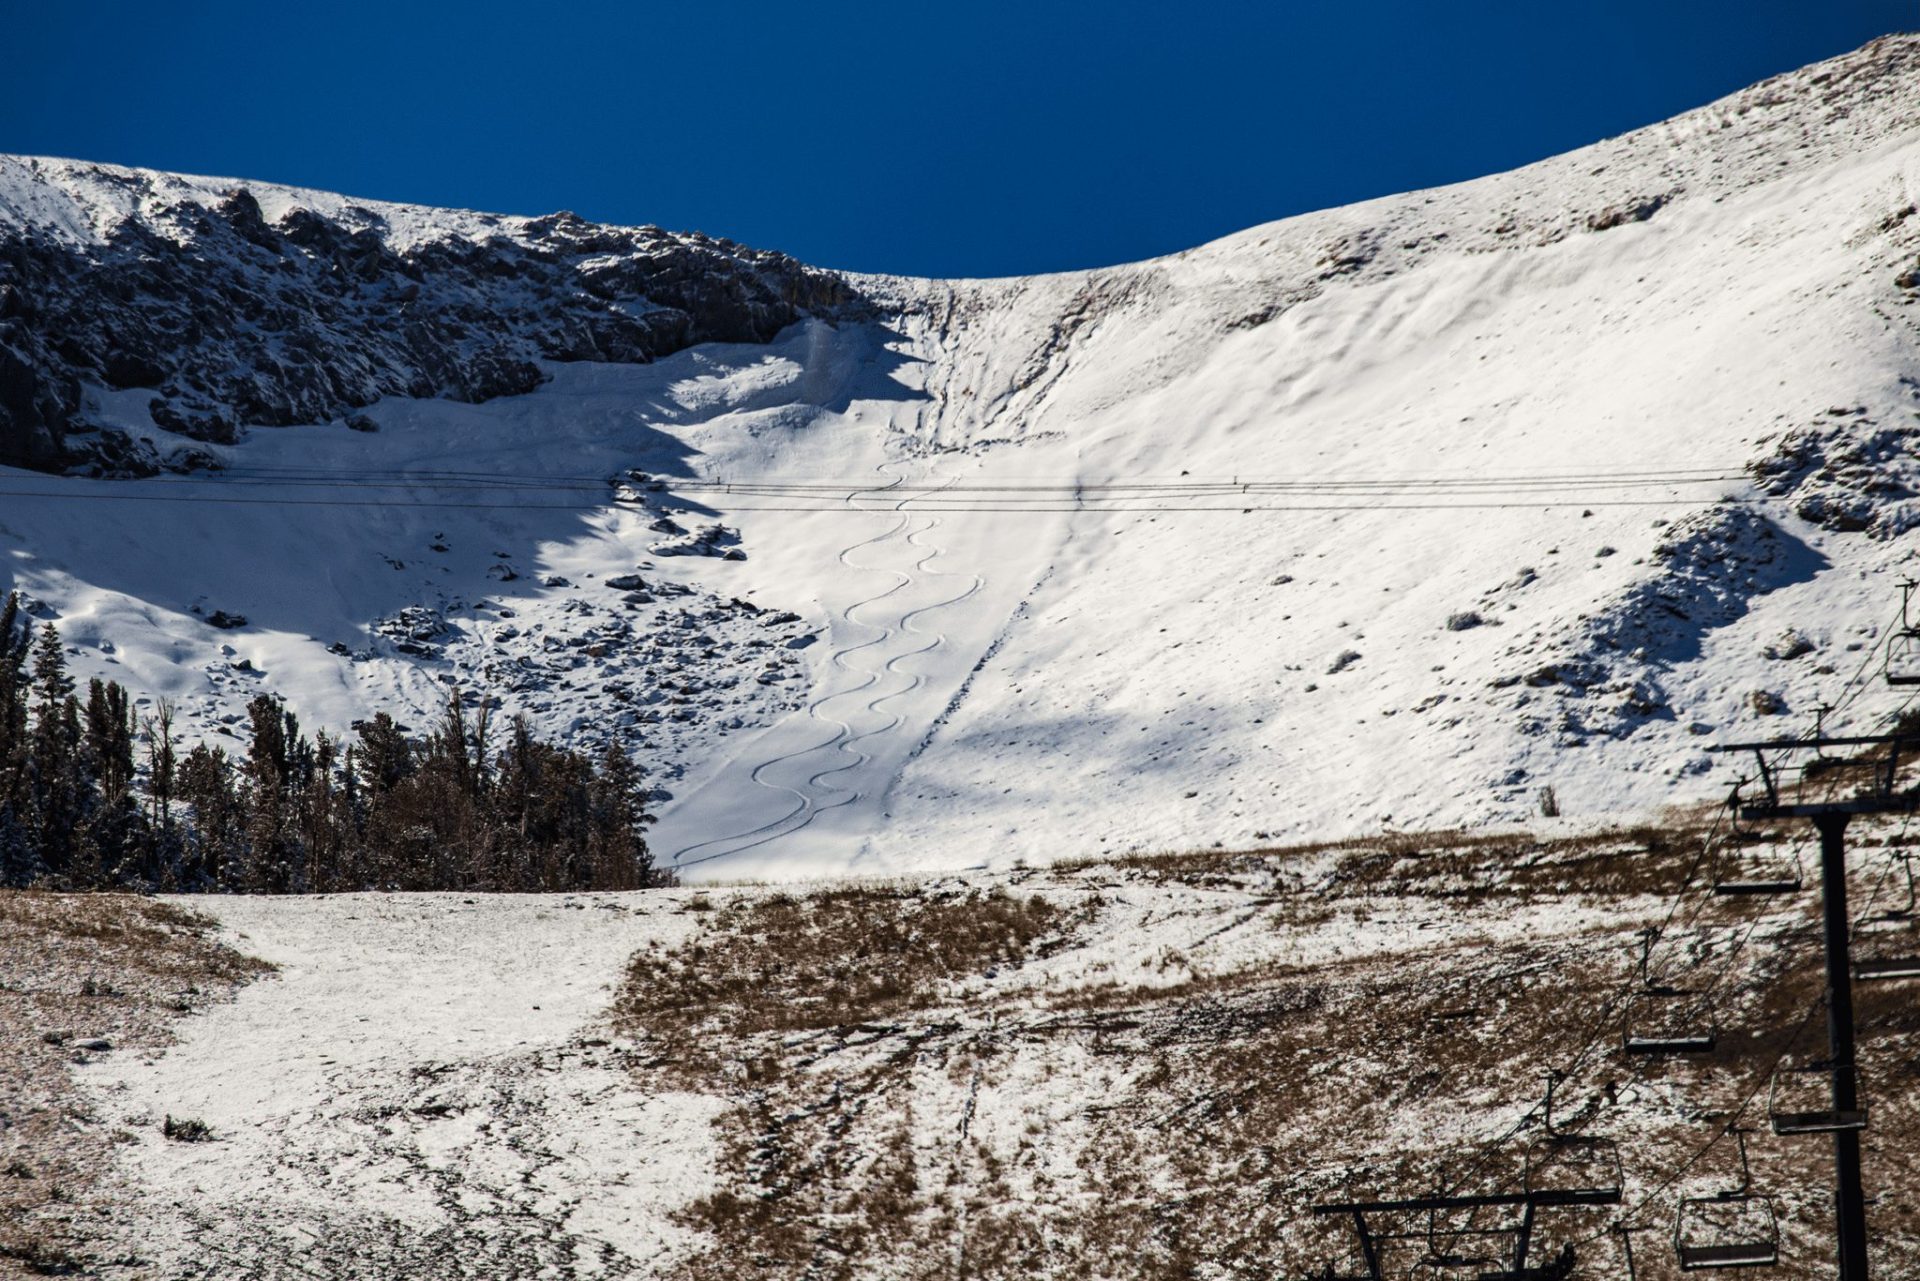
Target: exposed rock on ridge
{"type": "Point", "coordinates": [235, 319]}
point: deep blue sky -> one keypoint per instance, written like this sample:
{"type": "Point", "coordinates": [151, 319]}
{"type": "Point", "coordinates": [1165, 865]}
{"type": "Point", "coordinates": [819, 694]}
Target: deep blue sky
{"type": "Point", "coordinates": [929, 138]}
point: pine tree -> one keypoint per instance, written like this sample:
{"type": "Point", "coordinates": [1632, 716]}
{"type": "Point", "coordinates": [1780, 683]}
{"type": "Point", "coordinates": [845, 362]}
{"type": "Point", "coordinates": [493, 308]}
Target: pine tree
{"type": "Point", "coordinates": [323, 835]}
{"type": "Point", "coordinates": [295, 814]}
{"type": "Point", "coordinates": [161, 763]}
{"type": "Point", "coordinates": [350, 821]}
{"type": "Point", "coordinates": [385, 755]}
{"type": "Point", "coordinates": [385, 762]}
{"type": "Point", "coordinates": [109, 737]}
{"type": "Point", "coordinates": [16, 639]}
{"type": "Point", "coordinates": [19, 856]}
{"type": "Point", "coordinates": [277, 758]}
{"type": "Point", "coordinates": [111, 845]}
{"type": "Point", "coordinates": [214, 850]}
{"type": "Point", "coordinates": [56, 784]}
{"type": "Point", "coordinates": [618, 853]}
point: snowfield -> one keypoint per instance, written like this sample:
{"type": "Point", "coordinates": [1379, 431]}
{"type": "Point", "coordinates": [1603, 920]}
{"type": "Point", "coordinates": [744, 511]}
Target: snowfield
{"type": "Point", "coordinates": [1386, 516]}
{"type": "Point", "coordinates": [1525, 401]}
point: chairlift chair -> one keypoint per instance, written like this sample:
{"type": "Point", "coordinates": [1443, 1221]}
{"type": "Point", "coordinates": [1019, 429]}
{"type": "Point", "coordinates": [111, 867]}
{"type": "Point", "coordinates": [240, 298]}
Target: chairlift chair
{"type": "Point", "coordinates": [1449, 1253]}
{"type": "Point", "coordinates": [1574, 1163]}
{"type": "Point", "coordinates": [1755, 872]}
{"type": "Point", "coordinates": [1891, 966]}
{"type": "Point", "coordinates": [1902, 663]}
{"type": "Point", "coordinates": [1787, 1111]}
{"type": "Point", "coordinates": [1897, 967]}
{"type": "Point", "coordinates": [1738, 1228]}
{"type": "Point", "coordinates": [1907, 910]}
{"type": "Point", "coordinates": [1646, 1034]}
{"type": "Point", "coordinates": [1663, 1019]}
{"type": "Point", "coordinates": [1558, 1268]}
{"type": "Point", "coordinates": [1562, 1163]}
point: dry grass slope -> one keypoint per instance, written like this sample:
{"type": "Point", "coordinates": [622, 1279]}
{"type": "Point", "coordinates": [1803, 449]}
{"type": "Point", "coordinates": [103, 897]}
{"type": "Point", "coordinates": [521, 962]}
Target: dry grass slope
{"type": "Point", "coordinates": [1153, 1067]}
{"type": "Point", "coordinates": [83, 975]}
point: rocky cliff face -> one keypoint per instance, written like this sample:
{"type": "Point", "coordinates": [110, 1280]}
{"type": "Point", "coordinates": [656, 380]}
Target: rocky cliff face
{"type": "Point", "coordinates": [235, 318]}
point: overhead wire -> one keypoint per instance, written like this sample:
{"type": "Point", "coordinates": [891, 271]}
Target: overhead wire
{"type": "Point", "coordinates": [977, 506]}
{"type": "Point", "coordinates": [1466, 493]}
{"type": "Point", "coordinates": [1006, 494]}
{"type": "Point", "coordinates": [1186, 480]}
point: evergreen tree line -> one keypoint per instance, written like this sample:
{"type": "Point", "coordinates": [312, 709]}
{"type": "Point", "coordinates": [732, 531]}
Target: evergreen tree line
{"type": "Point", "coordinates": [93, 796]}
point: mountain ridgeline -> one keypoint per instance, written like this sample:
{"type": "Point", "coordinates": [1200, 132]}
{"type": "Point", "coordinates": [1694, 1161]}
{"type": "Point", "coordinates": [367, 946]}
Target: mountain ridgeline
{"type": "Point", "coordinates": [234, 319]}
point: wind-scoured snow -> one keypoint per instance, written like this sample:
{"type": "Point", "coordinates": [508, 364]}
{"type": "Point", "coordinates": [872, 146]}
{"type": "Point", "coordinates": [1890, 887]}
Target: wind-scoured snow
{"type": "Point", "coordinates": [1429, 503]}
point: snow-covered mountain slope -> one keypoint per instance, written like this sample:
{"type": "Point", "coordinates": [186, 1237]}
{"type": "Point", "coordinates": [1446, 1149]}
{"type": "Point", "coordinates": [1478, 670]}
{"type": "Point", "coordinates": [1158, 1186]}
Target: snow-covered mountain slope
{"type": "Point", "coordinates": [1389, 515]}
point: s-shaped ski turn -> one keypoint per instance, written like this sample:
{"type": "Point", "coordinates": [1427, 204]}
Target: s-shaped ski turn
{"type": "Point", "coordinates": [847, 744]}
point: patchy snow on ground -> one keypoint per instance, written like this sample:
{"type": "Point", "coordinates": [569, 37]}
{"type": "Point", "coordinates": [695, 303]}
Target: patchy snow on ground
{"type": "Point", "coordinates": [1116, 1068]}
{"type": "Point", "coordinates": [422, 1069]}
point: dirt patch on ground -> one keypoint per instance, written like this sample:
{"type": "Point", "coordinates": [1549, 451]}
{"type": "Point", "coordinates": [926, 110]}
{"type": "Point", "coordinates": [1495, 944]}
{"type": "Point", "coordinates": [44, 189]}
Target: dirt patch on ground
{"type": "Point", "coordinates": [81, 976]}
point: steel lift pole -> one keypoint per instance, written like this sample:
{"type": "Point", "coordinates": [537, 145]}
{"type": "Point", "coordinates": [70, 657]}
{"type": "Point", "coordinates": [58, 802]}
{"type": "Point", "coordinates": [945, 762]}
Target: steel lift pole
{"type": "Point", "coordinates": [1849, 1198]}
{"type": "Point", "coordinates": [1830, 818]}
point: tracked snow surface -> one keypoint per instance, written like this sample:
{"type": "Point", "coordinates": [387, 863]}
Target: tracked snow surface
{"type": "Point", "coordinates": [1386, 516]}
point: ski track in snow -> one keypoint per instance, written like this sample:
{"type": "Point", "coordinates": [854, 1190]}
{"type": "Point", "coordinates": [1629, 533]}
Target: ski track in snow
{"type": "Point", "coordinates": [815, 795]}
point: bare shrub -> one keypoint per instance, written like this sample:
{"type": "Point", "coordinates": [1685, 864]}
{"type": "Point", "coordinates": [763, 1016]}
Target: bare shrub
{"type": "Point", "coordinates": [186, 1129]}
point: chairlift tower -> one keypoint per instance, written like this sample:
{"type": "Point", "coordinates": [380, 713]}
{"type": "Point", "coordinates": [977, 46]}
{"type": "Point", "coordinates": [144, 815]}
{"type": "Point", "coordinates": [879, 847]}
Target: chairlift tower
{"type": "Point", "coordinates": [1563, 1170]}
{"type": "Point", "coordinates": [1878, 792]}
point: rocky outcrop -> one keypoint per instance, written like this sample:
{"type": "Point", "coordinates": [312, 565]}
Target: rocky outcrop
{"type": "Point", "coordinates": [1608, 675]}
{"type": "Point", "coordinates": [233, 320]}
{"type": "Point", "coordinates": [1849, 470]}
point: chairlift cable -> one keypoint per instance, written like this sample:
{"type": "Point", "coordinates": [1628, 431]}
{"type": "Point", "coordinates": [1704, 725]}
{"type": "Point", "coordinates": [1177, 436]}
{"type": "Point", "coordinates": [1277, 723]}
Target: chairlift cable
{"type": "Point", "coordinates": [671, 483]}
{"type": "Point", "coordinates": [1674, 1176]}
{"type": "Point", "coordinates": [1227, 507]}
{"type": "Point", "coordinates": [1722, 972]}
{"type": "Point", "coordinates": [1885, 640]}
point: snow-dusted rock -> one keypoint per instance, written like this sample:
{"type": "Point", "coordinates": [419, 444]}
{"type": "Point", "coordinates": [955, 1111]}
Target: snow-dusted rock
{"type": "Point", "coordinates": [234, 304]}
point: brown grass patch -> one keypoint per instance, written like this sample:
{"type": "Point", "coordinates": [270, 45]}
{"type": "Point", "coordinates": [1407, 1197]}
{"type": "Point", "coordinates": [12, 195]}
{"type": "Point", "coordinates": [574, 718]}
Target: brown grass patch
{"type": "Point", "coordinates": [77, 970]}
{"type": "Point", "coordinates": [837, 958]}
{"type": "Point", "coordinates": [884, 1125]}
